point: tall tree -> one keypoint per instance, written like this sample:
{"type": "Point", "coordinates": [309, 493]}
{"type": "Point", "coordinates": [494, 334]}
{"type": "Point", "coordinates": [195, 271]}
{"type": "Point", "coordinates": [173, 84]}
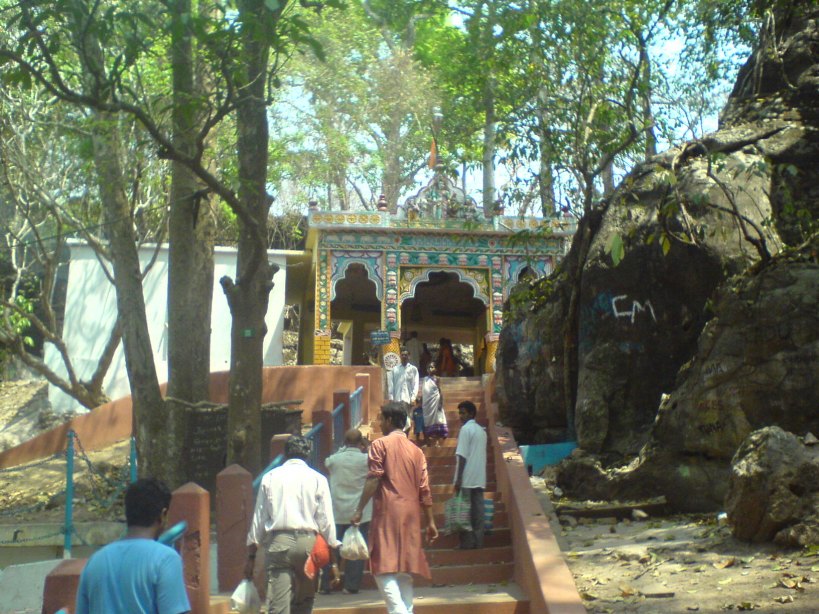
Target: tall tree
{"type": "Point", "coordinates": [88, 53]}
{"type": "Point", "coordinates": [367, 109]}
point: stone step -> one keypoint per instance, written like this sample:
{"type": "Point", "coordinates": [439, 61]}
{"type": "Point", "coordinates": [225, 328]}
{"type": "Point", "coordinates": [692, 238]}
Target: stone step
{"type": "Point", "coordinates": [500, 519]}
{"type": "Point", "coordinates": [446, 489]}
{"type": "Point", "coordinates": [473, 599]}
{"type": "Point", "coordinates": [452, 556]}
{"type": "Point", "coordinates": [488, 573]}
{"type": "Point", "coordinates": [500, 536]}
{"type": "Point", "coordinates": [443, 477]}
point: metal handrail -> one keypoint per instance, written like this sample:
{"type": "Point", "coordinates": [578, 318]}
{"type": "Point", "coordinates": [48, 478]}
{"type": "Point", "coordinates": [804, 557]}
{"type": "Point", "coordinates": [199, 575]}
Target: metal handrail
{"type": "Point", "coordinates": [355, 407]}
{"type": "Point", "coordinates": [338, 426]}
{"type": "Point", "coordinates": [273, 464]}
{"type": "Point", "coordinates": [314, 435]}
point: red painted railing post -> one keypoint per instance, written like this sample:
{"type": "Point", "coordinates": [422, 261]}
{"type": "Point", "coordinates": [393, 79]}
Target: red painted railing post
{"type": "Point", "coordinates": [191, 503]}
{"type": "Point", "coordinates": [234, 511]}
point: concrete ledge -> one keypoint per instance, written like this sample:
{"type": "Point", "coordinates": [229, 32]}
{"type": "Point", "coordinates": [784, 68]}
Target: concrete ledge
{"type": "Point", "coordinates": [539, 569]}
{"type": "Point", "coordinates": [21, 586]}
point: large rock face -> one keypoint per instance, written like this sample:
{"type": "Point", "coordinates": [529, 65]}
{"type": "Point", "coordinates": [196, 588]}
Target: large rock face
{"type": "Point", "coordinates": [639, 329]}
{"type": "Point", "coordinates": [774, 489]}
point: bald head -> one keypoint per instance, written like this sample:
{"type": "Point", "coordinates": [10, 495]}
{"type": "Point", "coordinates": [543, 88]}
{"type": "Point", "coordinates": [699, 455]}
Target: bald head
{"type": "Point", "coordinates": [353, 438]}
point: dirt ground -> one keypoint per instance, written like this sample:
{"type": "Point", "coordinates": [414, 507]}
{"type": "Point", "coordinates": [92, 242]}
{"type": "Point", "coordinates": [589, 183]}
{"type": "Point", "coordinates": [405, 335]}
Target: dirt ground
{"type": "Point", "coordinates": [680, 564]}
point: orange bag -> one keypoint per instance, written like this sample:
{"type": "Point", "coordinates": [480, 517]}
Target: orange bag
{"type": "Point", "coordinates": [319, 557]}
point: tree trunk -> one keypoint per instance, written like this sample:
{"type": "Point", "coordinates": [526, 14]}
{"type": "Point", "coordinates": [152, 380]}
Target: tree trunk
{"type": "Point", "coordinates": [545, 176]}
{"type": "Point", "coordinates": [139, 360]}
{"type": "Point", "coordinates": [190, 233]}
{"type": "Point", "coordinates": [645, 100]}
{"type": "Point", "coordinates": [149, 418]}
{"type": "Point", "coordinates": [248, 296]}
{"type": "Point", "coordinates": [489, 129]}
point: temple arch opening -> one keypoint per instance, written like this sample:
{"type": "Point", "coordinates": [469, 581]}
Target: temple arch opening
{"type": "Point", "coordinates": [443, 305]}
{"type": "Point", "coordinates": [356, 311]}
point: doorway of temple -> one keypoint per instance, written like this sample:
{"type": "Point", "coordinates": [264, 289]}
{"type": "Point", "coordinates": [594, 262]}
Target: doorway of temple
{"type": "Point", "coordinates": [356, 311]}
{"type": "Point", "coordinates": [443, 311]}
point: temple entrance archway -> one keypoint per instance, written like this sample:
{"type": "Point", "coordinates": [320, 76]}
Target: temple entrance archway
{"type": "Point", "coordinates": [356, 310]}
{"type": "Point", "coordinates": [442, 304]}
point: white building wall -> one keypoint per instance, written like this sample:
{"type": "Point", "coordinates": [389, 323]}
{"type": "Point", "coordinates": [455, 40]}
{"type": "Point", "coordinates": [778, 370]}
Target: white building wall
{"type": "Point", "coordinates": [90, 313]}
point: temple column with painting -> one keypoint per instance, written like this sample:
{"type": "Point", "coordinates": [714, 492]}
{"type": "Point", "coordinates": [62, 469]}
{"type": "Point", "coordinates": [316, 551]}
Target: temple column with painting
{"type": "Point", "coordinates": [322, 321]}
{"type": "Point", "coordinates": [390, 314]}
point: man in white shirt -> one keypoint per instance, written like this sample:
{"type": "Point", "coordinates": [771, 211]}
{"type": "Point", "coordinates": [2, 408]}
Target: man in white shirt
{"type": "Point", "coordinates": [405, 381]}
{"type": "Point", "coordinates": [470, 474]}
{"type": "Point", "coordinates": [348, 472]}
{"type": "Point", "coordinates": [292, 506]}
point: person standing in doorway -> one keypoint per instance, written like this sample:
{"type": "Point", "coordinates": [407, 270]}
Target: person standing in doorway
{"type": "Point", "coordinates": [136, 573]}
{"type": "Point", "coordinates": [414, 348]}
{"type": "Point", "coordinates": [426, 360]}
{"type": "Point", "coordinates": [445, 361]}
{"type": "Point", "coordinates": [398, 483]}
{"type": "Point", "coordinates": [405, 380]}
{"type": "Point", "coordinates": [470, 473]}
{"type": "Point", "coordinates": [292, 507]}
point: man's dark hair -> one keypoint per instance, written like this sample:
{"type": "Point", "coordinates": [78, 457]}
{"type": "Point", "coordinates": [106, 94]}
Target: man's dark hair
{"type": "Point", "coordinates": [469, 406]}
{"type": "Point", "coordinates": [298, 447]}
{"type": "Point", "coordinates": [395, 413]}
{"type": "Point", "coordinates": [145, 500]}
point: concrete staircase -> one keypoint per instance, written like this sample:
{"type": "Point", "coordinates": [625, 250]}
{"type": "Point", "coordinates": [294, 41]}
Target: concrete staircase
{"type": "Point", "coordinates": [472, 581]}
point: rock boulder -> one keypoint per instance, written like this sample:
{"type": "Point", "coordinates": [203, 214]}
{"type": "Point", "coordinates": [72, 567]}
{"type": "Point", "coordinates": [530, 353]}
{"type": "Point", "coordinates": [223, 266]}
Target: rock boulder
{"type": "Point", "coordinates": [773, 491]}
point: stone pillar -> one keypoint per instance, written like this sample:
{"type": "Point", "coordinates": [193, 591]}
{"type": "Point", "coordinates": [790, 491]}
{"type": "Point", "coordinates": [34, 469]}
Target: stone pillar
{"type": "Point", "coordinates": [234, 511]}
{"type": "Point", "coordinates": [342, 397]}
{"type": "Point", "coordinates": [363, 379]}
{"type": "Point", "coordinates": [491, 351]}
{"type": "Point", "coordinates": [191, 503]}
{"type": "Point", "coordinates": [60, 589]}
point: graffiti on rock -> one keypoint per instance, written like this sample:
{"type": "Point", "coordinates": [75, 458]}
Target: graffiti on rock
{"type": "Point", "coordinates": [620, 308]}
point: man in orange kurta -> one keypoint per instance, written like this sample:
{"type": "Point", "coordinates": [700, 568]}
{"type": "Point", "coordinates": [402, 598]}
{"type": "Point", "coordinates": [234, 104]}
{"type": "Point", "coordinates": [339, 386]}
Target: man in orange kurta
{"type": "Point", "coordinates": [399, 483]}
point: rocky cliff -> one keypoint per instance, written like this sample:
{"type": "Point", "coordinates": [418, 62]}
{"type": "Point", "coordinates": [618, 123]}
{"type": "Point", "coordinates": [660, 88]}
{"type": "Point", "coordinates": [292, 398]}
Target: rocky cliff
{"type": "Point", "coordinates": [703, 325]}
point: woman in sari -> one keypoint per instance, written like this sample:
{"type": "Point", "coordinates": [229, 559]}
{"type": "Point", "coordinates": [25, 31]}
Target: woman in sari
{"type": "Point", "coordinates": [432, 402]}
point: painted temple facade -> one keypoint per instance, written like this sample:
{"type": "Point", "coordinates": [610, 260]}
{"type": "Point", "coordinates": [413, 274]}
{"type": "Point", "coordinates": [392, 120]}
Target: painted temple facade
{"type": "Point", "coordinates": [436, 266]}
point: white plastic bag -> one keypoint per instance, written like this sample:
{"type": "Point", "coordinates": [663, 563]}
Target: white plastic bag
{"type": "Point", "coordinates": [354, 546]}
{"type": "Point", "coordinates": [245, 599]}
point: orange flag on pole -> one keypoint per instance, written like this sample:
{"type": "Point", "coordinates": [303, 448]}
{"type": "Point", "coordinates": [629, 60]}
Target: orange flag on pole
{"type": "Point", "coordinates": [433, 154]}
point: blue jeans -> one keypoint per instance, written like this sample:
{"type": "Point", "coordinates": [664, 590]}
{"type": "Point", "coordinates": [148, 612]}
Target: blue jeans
{"type": "Point", "coordinates": [353, 570]}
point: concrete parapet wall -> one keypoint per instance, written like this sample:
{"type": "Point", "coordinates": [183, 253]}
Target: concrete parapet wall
{"type": "Point", "coordinates": [312, 384]}
{"type": "Point", "coordinates": [539, 566]}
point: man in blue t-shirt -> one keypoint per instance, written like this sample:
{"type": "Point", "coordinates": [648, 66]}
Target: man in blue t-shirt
{"type": "Point", "coordinates": [136, 575]}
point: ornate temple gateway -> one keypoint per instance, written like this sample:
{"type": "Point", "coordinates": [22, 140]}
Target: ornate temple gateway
{"type": "Point", "coordinates": [436, 266]}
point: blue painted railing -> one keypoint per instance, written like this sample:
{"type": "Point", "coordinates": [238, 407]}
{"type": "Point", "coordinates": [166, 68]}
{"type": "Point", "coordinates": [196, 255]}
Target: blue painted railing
{"type": "Point", "coordinates": [273, 464]}
{"type": "Point", "coordinates": [355, 407]}
{"type": "Point", "coordinates": [74, 449]}
{"type": "Point", "coordinates": [338, 426]}
{"type": "Point", "coordinates": [315, 436]}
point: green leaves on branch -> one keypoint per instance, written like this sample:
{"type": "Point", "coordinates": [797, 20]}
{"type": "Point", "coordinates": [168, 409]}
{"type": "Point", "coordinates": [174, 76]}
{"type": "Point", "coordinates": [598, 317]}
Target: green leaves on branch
{"type": "Point", "coordinates": [616, 249]}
